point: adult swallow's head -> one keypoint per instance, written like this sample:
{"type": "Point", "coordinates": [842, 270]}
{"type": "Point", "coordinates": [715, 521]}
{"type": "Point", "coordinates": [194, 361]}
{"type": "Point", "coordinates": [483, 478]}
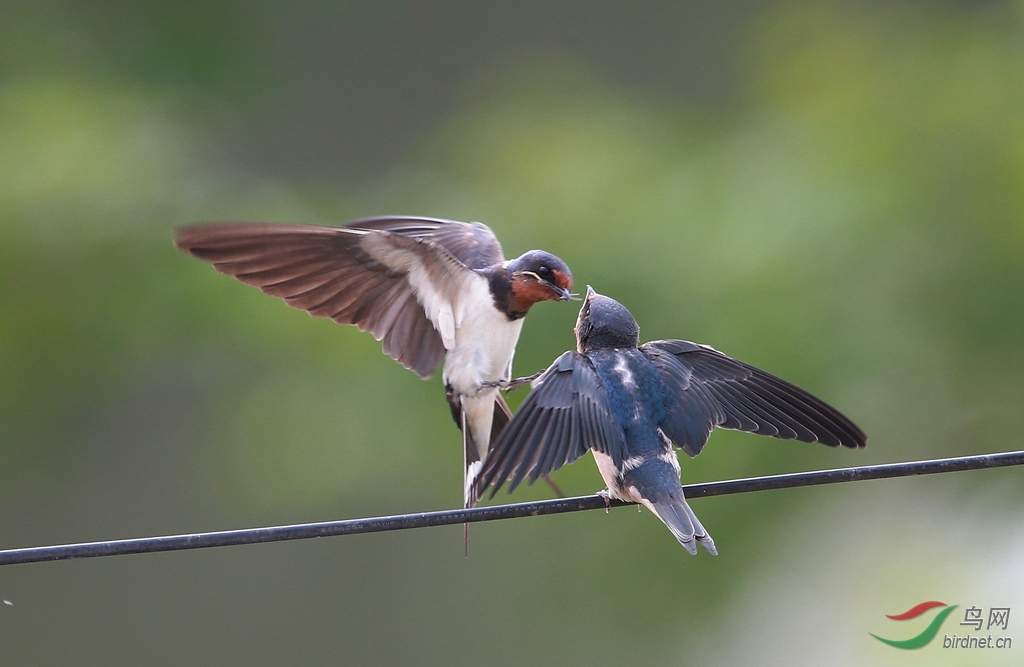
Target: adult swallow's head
{"type": "Point", "coordinates": [538, 276]}
{"type": "Point", "coordinates": [604, 323]}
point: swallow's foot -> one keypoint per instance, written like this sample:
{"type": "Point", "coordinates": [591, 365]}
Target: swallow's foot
{"type": "Point", "coordinates": [607, 496]}
{"type": "Point", "coordinates": [510, 385]}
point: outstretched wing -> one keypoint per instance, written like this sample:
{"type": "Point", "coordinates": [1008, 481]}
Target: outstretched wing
{"type": "Point", "coordinates": [566, 414]}
{"type": "Point", "coordinates": [472, 243]}
{"type": "Point", "coordinates": [397, 278]}
{"type": "Point", "coordinates": [709, 389]}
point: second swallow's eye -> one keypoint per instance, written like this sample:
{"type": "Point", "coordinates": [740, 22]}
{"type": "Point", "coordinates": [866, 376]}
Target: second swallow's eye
{"type": "Point", "coordinates": [544, 272]}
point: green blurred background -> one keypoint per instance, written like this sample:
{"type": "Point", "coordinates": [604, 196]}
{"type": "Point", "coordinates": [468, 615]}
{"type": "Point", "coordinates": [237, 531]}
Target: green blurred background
{"type": "Point", "coordinates": [831, 191]}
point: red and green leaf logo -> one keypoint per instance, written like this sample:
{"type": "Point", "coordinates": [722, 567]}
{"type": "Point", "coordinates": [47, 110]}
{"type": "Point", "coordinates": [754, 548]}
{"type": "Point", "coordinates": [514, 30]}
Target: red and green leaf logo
{"type": "Point", "coordinates": [927, 634]}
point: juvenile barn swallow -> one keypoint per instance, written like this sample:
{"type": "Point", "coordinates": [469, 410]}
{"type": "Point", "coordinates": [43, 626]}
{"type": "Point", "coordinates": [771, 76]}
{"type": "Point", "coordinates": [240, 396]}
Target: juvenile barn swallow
{"type": "Point", "coordinates": [427, 288]}
{"type": "Point", "coordinates": [630, 403]}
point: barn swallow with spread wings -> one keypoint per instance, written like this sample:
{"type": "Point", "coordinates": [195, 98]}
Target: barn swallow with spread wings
{"type": "Point", "coordinates": [630, 403]}
{"type": "Point", "coordinates": [429, 289]}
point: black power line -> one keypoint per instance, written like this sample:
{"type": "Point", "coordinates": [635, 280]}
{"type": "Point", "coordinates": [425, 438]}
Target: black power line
{"type": "Point", "coordinates": [449, 517]}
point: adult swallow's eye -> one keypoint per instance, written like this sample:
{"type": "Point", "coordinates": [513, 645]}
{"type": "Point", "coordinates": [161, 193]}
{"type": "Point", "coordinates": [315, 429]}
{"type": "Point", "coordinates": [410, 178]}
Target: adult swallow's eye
{"type": "Point", "coordinates": [544, 272]}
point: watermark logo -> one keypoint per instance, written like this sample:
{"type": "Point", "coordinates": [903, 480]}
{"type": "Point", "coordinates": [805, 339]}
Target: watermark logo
{"type": "Point", "coordinates": [928, 633]}
{"type": "Point", "coordinates": [974, 617]}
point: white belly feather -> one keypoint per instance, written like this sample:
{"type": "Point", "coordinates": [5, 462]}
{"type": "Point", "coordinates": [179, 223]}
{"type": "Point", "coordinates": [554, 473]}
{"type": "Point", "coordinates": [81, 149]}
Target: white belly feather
{"type": "Point", "coordinates": [485, 342]}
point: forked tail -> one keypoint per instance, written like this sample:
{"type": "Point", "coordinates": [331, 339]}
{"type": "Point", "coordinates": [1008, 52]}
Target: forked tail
{"type": "Point", "coordinates": [675, 513]}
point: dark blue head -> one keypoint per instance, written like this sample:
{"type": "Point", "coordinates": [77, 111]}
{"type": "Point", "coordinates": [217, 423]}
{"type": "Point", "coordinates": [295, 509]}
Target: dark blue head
{"type": "Point", "coordinates": [538, 276]}
{"type": "Point", "coordinates": [604, 324]}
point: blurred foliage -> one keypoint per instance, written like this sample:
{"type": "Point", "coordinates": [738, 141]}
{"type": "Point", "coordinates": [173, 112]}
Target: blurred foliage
{"type": "Point", "coordinates": [853, 221]}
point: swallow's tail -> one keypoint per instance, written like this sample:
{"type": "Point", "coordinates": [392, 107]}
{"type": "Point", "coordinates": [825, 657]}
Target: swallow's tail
{"type": "Point", "coordinates": [675, 513]}
{"type": "Point", "coordinates": [470, 471]}
{"type": "Point", "coordinates": [492, 414]}
{"type": "Point", "coordinates": [471, 466]}
{"type": "Point", "coordinates": [472, 460]}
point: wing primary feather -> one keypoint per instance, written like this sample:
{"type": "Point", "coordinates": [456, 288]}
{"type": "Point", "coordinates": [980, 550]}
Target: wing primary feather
{"type": "Point", "coordinates": [566, 451]}
{"type": "Point", "coordinates": [268, 268]}
{"type": "Point", "coordinates": [802, 419]}
{"type": "Point", "coordinates": [754, 395]}
{"type": "Point", "coordinates": [531, 448]}
{"type": "Point", "coordinates": [784, 424]}
{"type": "Point", "coordinates": [552, 444]}
{"type": "Point", "coordinates": [398, 336]}
{"type": "Point", "coordinates": [583, 420]}
{"type": "Point", "coordinates": [575, 447]}
{"type": "Point", "coordinates": [246, 257]}
{"type": "Point", "coordinates": [380, 320]}
{"type": "Point", "coordinates": [293, 280]}
{"type": "Point", "coordinates": [328, 271]}
{"type": "Point", "coordinates": [362, 308]}
{"type": "Point", "coordinates": [808, 410]}
{"type": "Point", "coordinates": [606, 432]}
{"type": "Point", "coordinates": [511, 447]}
{"type": "Point", "coordinates": [426, 356]}
{"type": "Point", "coordinates": [848, 433]}
{"type": "Point", "coordinates": [588, 416]}
{"type": "Point", "coordinates": [709, 406]}
{"type": "Point", "coordinates": [321, 301]}
{"type": "Point", "coordinates": [502, 459]}
{"type": "Point", "coordinates": [346, 304]}
{"type": "Point", "coordinates": [746, 421]}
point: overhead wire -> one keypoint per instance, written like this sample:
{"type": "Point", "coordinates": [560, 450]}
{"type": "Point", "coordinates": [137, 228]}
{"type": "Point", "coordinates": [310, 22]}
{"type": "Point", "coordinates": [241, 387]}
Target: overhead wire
{"type": "Point", "coordinates": [491, 513]}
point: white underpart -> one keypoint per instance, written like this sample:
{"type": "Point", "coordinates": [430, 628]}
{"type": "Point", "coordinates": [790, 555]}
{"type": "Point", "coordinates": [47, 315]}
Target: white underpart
{"type": "Point", "coordinates": [484, 344]}
{"type": "Point", "coordinates": [610, 474]}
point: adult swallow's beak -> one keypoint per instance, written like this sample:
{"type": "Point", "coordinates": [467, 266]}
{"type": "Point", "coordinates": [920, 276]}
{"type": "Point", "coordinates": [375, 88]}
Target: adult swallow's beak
{"type": "Point", "coordinates": [563, 294]}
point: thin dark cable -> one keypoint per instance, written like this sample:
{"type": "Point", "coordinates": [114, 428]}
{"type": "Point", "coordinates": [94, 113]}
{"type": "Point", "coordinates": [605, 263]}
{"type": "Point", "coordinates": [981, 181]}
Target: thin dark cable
{"type": "Point", "coordinates": [450, 517]}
